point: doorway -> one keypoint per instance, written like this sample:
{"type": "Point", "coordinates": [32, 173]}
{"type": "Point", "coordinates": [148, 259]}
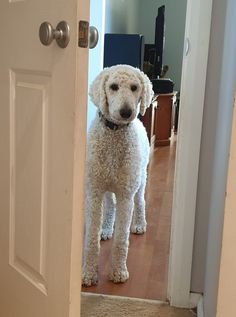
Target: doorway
{"type": "Point", "coordinates": [155, 243]}
{"type": "Point", "coordinates": [193, 82]}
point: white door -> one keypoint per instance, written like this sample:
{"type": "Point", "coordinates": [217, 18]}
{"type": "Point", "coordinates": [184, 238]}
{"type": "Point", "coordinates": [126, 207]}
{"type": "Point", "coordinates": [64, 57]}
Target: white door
{"type": "Point", "coordinates": [43, 97]}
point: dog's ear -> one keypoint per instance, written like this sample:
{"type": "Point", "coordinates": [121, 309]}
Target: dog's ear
{"type": "Point", "coordinates": [147, 93]}
{"type": "Point", "coordinates": [97, 90]}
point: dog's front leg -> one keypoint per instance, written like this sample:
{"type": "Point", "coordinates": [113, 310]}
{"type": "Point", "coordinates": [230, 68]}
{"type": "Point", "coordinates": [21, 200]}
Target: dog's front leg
{"type": "Point", "coordinates": [124, 209]}
{"type": "Point", "coordinates": [93, 220]}
{"type": "Point", "coordinates": [139, 223]}
{"type": "Point", "coordinates": [108, 216]}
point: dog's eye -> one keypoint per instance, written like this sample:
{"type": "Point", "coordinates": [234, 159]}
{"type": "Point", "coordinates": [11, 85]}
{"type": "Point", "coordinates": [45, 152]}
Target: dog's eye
{"type": "Point", "coordinates": [133, 87]}
{"type": "Point", "coordinates": [114, 87]}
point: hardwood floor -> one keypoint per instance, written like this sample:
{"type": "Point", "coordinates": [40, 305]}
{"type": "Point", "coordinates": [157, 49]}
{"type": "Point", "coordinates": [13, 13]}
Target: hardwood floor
{"type": "Point", "coordinates": [148, 253]}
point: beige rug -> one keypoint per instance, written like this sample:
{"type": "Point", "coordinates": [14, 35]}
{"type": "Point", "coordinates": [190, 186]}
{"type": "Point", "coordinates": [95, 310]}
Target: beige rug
{"type": "Point", "coordinates": [96, 305]}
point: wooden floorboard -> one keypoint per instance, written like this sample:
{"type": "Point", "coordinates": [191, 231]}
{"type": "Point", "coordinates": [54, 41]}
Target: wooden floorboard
{"type": "Point", "coordinates": [148, 254]}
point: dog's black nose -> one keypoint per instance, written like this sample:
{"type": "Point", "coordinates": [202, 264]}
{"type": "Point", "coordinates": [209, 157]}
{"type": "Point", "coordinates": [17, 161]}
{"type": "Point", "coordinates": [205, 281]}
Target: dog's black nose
{"type": "Point", "coordinates": [125, 112]}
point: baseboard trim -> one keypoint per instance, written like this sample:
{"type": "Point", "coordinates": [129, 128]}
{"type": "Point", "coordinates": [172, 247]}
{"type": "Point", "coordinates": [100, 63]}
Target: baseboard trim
{"type": "Point", "coordinates": [194, 299]}
{"type": "Point", "coordinates": [152, 301]}
{"type": "Point", "coordinates": [200, 310]}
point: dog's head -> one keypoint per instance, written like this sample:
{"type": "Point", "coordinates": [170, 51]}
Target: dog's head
{"type": "Point", "coordinates": [121, 92]}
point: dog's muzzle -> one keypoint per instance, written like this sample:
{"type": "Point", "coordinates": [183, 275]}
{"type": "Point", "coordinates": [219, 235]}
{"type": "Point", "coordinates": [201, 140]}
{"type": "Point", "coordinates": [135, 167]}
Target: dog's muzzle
{"type": "Point", "coordinates": [125, 112]}
{"type": "Point", "coordinates": [111, 125]}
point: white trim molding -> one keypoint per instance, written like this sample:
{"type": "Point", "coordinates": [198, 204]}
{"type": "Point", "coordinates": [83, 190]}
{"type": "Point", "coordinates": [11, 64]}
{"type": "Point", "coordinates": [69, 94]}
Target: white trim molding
{"type": "Point", "coordinates": [197, 33]}
{"type": "Point", "coordinates": [200, 308]}
{"type": "Point", "coordinates": [194, 300]}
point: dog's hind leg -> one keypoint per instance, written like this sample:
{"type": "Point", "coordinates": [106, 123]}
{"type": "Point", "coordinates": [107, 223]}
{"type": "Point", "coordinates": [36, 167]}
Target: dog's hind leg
{"type": "Point", "coordinates": [139, 223]}
{"type": "Point", "coordinates": [124, 207]}
{"type": "Point", "coordinates": [108, 215]}
{"type": "Point", "coordinates": [93, 220]}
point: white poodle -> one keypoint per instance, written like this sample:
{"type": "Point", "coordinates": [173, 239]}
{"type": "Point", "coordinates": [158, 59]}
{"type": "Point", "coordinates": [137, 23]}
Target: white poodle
{"type": "Point", "coordinates": [117, 158]}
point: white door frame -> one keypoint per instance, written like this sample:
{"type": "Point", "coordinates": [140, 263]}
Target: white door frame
{"type": "Point", "coordinates": [197, 36]}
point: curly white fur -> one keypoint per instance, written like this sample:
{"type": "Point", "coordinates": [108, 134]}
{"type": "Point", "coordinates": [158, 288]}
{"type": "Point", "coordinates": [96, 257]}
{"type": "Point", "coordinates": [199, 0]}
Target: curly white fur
{"type": "Point", "coordinates": [116, 167]}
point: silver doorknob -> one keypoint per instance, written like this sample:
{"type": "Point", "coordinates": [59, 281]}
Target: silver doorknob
{"type": "Point", "coordinates": [93, 37]}
{"type": "Point", "coordinates": [61, 34]}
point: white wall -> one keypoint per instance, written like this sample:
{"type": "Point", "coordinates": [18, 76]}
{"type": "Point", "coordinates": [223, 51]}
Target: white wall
{"type": "Point", "coordinates": [208, 143]}
{"type": "Point", "coordinates": [97, 18]}
{"type": "Point", "coordinates": [217, 120]}
{"type": "Point", "coordinates": [223, 106]}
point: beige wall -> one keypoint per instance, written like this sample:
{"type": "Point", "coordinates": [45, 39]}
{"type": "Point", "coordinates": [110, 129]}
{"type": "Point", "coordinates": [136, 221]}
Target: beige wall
{"type": "Point", "coordinates": [227, 285]}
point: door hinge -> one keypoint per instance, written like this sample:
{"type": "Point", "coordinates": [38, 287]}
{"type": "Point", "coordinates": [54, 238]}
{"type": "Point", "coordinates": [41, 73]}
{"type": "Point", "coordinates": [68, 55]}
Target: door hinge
{"type": "Point", "coordinates": [83, 34]}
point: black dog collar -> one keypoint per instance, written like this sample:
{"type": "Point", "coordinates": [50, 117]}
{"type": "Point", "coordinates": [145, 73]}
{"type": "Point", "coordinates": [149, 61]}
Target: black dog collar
{"type": "Point", "coordinates": [111, 125]}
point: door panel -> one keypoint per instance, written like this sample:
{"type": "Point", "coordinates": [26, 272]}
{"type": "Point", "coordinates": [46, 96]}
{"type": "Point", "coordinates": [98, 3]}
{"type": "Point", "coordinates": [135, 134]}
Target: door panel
{"type": "Point", "coordinates": [29, 102]}
{"type": "Point", "coordinates": [42, 149]}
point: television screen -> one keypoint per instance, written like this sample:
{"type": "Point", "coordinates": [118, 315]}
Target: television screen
{"type": "Point", "coordinates": [153, 53]}
{"type": "Point", "coordinates": [159, 40]}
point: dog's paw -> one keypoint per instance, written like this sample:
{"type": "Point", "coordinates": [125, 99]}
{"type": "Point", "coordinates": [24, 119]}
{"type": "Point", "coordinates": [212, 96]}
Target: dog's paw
{"type": "Point", "coordinates": [119, 276]}
{"type": "Point", "coordinates": [89, 279]}
{"type": "Point", "coordinates": [106, 234]}
{"type": "Point", "coordinates": [139, 228]}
